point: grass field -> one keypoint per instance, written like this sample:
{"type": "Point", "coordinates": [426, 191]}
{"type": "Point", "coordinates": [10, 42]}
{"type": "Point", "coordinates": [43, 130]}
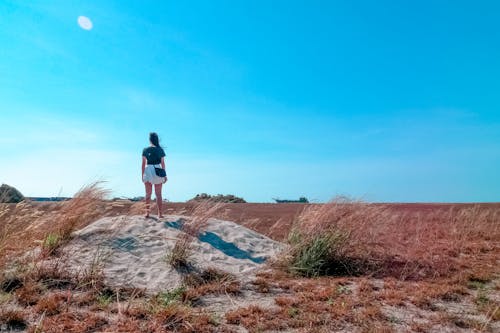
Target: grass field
{"type": "Point", "coordinates": [350, 267]}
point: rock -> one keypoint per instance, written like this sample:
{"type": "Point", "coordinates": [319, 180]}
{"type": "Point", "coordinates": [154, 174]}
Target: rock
{"type": "Point", "coordinates": [9, 194]}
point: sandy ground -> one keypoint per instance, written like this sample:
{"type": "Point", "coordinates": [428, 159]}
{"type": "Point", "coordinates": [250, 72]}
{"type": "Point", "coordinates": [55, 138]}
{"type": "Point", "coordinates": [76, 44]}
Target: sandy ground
{"type": "Point", "coordinates": [132, 250]}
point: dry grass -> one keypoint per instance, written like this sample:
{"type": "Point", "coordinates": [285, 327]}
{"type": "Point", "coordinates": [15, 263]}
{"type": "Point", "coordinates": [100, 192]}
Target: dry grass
{"type": "Point", "coordinates": [191, 228]}
{"type": "Point", "coordinates": [178, 257]}
{"type": "Point", "coordinates": [413, 263]}
{"type": "Point", "coordinates": [13, 319]}
{"type": "Point", "coordinates": [352, 238]}
{"type": "Point", "coordinates": [426, 259]}
{"type": "Point", "coordinates": [15, 219]}
{"type": "Point", "coordinates": [53, 303]}
{"type": "Point", "coordinates": [24, 226]}
{"type": "Point", "coordinates": [210, 281]}
{"type": "Point", "coordinates": [30, 293]}
{"type": "Point", "coordinates": [84, 207]}
{"type": "Point", "coordinates": [70, 322]}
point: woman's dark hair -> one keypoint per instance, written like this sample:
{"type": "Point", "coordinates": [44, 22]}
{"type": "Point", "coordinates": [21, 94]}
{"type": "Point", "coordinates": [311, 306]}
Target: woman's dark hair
{"type": "Point", "coordinates": [153, 138]}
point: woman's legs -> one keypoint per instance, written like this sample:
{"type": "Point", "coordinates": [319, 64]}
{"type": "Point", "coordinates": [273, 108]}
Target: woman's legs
{"type": "Point", "coordinates": [149, 189]}
{"type": "Point", "coordinates": [159, 199]}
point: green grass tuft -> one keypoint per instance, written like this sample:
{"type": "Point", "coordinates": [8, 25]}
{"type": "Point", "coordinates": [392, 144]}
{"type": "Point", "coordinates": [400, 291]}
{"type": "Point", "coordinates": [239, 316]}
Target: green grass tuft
{"type": "Point", "coordinates": [51, 242]}
{"type": "Point", "coordinates": [170, 297]}
{"type": "Point", "coordinates": [313, 257]}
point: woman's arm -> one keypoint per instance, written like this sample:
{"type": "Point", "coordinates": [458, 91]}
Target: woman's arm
{"type": "Point", "coordinates": [144, 161]}
{"type": "Point", "coordinates": [163, 167]}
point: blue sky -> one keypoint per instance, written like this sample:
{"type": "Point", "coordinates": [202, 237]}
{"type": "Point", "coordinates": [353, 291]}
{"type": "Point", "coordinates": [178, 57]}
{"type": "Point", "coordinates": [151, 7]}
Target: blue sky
{"type": "Point", "coordinates": [379, 100]}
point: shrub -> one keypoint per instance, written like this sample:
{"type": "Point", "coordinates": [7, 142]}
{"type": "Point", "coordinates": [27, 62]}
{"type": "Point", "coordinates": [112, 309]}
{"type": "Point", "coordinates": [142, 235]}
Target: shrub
{"type": "Point", "coordinates": [9, 194]}
{"type": "Point", "coordinates": [317, 255]}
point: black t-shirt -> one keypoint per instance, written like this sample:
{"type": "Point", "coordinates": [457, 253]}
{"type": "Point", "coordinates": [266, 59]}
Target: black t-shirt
{"type": "Point", "coordinates": [153, 154]}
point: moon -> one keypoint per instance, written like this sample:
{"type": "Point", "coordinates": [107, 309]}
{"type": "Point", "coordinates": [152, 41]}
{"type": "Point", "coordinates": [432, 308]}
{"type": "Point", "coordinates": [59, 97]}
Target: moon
{"type": "Point", "coordinates": [84, 22]}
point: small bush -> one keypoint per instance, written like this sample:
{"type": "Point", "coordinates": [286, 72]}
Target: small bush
{"type": "Point", "coordinates": [178, 256]}
{"type": "Point", "coordinates": [318, 255]}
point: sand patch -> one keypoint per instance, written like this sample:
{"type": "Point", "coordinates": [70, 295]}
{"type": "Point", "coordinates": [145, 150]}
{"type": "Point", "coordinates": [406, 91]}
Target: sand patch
{"type": "Point", "coordinates": [132, 250]}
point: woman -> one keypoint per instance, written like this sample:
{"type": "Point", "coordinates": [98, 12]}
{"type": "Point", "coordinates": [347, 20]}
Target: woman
{"type": "Point", "coordinates": [153, 157]}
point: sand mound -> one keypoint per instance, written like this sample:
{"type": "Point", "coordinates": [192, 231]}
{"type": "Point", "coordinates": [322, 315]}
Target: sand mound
{"type": "Point", "coordinates": [132, 250]}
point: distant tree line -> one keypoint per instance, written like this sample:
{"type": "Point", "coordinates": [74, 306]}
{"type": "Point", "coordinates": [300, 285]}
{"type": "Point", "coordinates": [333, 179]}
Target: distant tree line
{"type": "Point", "coordinates": [301, 200]}
{"type": "Point", "coordinates": [228, 198]}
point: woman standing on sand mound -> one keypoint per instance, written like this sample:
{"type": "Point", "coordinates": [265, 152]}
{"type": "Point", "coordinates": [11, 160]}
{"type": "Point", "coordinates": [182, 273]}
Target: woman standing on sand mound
{"type": "Point", "coordinates": [153, 171]}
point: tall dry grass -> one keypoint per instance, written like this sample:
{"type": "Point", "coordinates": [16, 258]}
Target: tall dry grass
{"type": "Point", "coordinates": [191, 229]}
{"type": "Point", "coordinates": [346, 237]}
{"type": "Point", "coordinates": [15, 219]}
{"type": "Point", "coordinates": [87, 204]}
{"type": "Point", "coordinates": [25, 225]}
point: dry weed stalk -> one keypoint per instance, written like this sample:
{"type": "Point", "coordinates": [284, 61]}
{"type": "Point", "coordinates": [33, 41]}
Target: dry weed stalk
{"type": "Point", "coordinates": [85, 206]}
{"type": "Point", "coordinates": [191, 229]}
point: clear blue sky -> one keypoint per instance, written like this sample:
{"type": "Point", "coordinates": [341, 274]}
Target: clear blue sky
{"type": "Point", "coordinates": [381, 100]}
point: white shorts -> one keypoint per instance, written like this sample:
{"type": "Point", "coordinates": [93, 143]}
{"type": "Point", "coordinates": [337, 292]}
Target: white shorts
{"type": "Point", "coordinates": [150, 176]}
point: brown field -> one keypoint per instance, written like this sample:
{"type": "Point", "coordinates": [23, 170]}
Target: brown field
{"type": "Point", "coordinates": [417, 268]}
